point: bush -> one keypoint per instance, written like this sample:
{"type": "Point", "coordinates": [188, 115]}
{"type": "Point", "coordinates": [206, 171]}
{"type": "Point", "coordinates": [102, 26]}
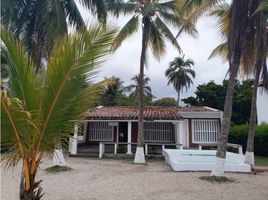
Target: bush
{"type": "Point", "coordinates": [239, 134]}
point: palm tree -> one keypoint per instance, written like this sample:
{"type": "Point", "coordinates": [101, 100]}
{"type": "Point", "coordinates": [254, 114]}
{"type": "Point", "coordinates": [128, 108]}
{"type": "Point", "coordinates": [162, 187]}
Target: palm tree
{"type": "Point", "coordinates": [241, 34]}
{"type": "Point", "coordinates": [134, 89]}
{"type": "Point", "coordinates": [154, 16]}
{"type": "Point", "coordinates": [37, 113]}
{"type": "Point", "coordinates": [39, 23]}
{"type": "Point", "coordinates": [112, 93]}
{"type": "Point", "coordinates": [259, 65]}
{"type": "Point", "coordinates": [180, 74]}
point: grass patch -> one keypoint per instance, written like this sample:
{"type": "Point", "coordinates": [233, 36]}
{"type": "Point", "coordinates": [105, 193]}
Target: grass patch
{"type": "Point", "coordinates": [56, 168]}
{"type": "Point", "coordinates": [216, 179]}
{"type": "Point", "coordinates": [261, 161]}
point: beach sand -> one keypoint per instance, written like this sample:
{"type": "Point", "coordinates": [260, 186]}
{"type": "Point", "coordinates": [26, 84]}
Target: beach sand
{"type": "Point", "coordinates": [111, 179]}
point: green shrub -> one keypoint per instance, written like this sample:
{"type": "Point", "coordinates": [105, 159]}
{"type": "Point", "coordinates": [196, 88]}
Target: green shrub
{"type": "Point", "coordinates": [239, 134]}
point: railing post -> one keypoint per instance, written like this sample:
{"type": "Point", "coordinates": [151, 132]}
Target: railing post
{"type": "Point", "coordinates": [129, 137]}
{"type": "Point", "coordinates": [146, 149]}
{"type": "Point", "coordinates": [100, 149]}
{"type": "Point", "coordinates": [115, 148]}
{"type": "Point", "coordinates": [240, 150]}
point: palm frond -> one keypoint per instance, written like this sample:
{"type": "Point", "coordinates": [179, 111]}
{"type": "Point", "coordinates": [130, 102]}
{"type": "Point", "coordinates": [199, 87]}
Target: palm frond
{"type": "Point", "coordinates": [73, 14]}
{"type": "Point", "coordinates": [156, 41]}
{"type": "Point", "coordinates": [221, 50]}
{"type": "Point", "coordinates": [192, 10]}
{"type": "Point", "coordinates": [130, 28]}
{"type": "Point", "coordinates": [24, 83]}
{"type": "Point", "coordinates": [167, 33]}
{"type": "Point", "coordinates": [69, 69]}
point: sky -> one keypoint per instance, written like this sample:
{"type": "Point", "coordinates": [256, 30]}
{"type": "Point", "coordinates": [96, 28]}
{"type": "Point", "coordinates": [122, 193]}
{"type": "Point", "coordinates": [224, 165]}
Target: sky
{"type": "Point", "coordinates": [124, 63]}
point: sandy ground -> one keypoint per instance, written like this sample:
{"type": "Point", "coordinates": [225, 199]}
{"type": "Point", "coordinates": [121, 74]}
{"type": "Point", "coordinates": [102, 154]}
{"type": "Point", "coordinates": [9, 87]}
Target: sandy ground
{"type": "Point", "coordinates": [93, 179]}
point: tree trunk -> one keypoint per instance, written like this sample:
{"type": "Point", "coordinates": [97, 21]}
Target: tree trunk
{"type": "Point", "coordinates": [218, 169]}
{"type": "Point", "coordinates": [178, 99]}
{"type": "Point", "coordinates": [35, 191]}
{"type": "Point", "coordinates": [249, 158]}
{"type": "Point", "coordinates": [139, 155]}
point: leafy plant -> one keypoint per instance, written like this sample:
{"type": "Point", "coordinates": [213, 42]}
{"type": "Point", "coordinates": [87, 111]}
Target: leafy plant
{"type": "Point", "coordinates": [37, 113]}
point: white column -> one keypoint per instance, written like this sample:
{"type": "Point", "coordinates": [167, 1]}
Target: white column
{"type": "Point", "coordinates": [146, 149]}
{"type": "Point", "coordinates": [179, 134]}
{"type": "Point", "coordinates": [73, 141]}
{"type": "Point", "coordinates": [129, 138]}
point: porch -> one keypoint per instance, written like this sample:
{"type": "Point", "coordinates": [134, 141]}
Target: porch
{"type": "Point", "coordinates": [106, 138]}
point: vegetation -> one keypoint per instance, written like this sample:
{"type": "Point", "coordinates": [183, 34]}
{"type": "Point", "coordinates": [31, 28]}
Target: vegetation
{"type": "Point", "coordinates": [212, 95]}
{"type": "Point", "coordinates": [216, 179]}
{"type": "Point", "coordinates": [36, 113]}
{"type": "Point", "coordinates": [166, 101]}
{"type": "Point", "coordinates": [239, 134]}
{"type": "Point", "coordinates": [180, 75]}
{"type": "Point", "coordinates": [40, 23]}
{"type": "Point", "coordinates": [261, 161]}
{"type": "Point", "coordinates": [133, 89]}
{"type": "Point", "coordinates": [154, 17]}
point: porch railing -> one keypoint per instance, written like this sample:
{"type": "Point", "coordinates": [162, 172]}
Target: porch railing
{"type": "Point", "coordinates": [102, 146]}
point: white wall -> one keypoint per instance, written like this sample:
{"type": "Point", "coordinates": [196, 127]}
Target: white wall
{"type": "Point", "coordinates": [262, 107]}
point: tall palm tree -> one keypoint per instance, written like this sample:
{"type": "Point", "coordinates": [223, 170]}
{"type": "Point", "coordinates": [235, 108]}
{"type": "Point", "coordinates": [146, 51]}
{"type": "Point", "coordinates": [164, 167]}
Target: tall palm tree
{"type": "Point", "coordinates": [37, 113]}
{"type": "Point", "coordinates": [134, 88]}
{"type": "Point", "coordinates": [259, 65]}
{"type": "Point", "coordinates": [154, 17]}
{"type": "Point", "coordinates": [241, 34]}
{"type": "Point", "coordinates": [39, 23]}
{"type": "Point", "coordinates": [180, 74]}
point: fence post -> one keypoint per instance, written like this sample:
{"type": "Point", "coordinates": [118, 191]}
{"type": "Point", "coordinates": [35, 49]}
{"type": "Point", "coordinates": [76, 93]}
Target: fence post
{"type": "Point", "coordinates": [240, 150]}
{"type": "Point", "coordinates": [100, 150]}
{"type": "Point", "coordinates": [146, 149]}
{"type": "Point", "coordinates": [115, 148]}
{"type": "Point", "coordinates": [163, 147]}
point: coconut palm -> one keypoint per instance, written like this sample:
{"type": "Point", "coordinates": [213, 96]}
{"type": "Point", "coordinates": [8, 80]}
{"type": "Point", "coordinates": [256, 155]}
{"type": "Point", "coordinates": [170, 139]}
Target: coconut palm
{"type": "Point", "coordinates": [180, 74]}
{"type": "Point", "coordinates": [241, 34]}
{"type": "Point", "coordinates": [259, 65]}
{"type": "Point", "coordinates": [37, 113]}
{"type": "Point", "coordinates": [154, 16]}
{"type": "Point", "coordinates": [39, 23]}
{"type": "Point", "coordinates": [134, 88]}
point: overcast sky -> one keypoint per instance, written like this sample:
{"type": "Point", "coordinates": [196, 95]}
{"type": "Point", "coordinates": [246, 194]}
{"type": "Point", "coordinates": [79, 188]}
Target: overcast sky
{"type": "Point", "coordinates": [124, 63]}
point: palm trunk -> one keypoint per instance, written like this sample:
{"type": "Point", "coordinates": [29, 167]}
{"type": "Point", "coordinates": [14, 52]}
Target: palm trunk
{"type": "Point", "coordinates": [178, 99]}
{"type": "Point", "coordinates": [34, 192]}
{"type": "Point", "coordinates": [249, 158]}
{"type": "Point", "coordinates": [139, 156]}
{"type": "Point", "coordinates": [218, 169]}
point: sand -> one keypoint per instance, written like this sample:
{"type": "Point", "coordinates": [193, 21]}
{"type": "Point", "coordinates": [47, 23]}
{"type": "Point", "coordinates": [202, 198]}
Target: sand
{"type": "Point", "coordinates": [94, 179]}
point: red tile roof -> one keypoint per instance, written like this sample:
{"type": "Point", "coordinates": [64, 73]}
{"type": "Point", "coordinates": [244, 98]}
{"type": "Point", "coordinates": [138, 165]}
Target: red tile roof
{"type": "Point", "coordinates": [150, 112]}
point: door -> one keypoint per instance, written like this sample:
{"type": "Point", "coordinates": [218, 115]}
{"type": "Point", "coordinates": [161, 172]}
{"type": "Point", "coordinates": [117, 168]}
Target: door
{"type": "Point", "coordinates": [122, 132]}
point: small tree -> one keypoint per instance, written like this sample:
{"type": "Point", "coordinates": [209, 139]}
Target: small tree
{"type": "Point", "coordinates": [37, 113]}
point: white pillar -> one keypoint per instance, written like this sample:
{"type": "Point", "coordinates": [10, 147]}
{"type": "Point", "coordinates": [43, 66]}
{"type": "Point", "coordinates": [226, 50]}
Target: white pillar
{"type": "Point", "coordinates": [146, 149]}
{"type": "Point", "coordinates": [115, 148]}
{"type": "Point", "coordinates": [129, 138]}
{"type": "Point", "coordinates": [101, 149]}
{"type": "Point", "coordinates": [179, 134]}
{"type": "Point", "coordinates": [73, 141]}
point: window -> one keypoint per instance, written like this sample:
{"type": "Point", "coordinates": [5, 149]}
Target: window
{"type": "Point", "coordinates": [100, 131]}
{"type": "Point", "coordinates": [159, 132]}
{"type": "Point", "coordinates": [205, 131]}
